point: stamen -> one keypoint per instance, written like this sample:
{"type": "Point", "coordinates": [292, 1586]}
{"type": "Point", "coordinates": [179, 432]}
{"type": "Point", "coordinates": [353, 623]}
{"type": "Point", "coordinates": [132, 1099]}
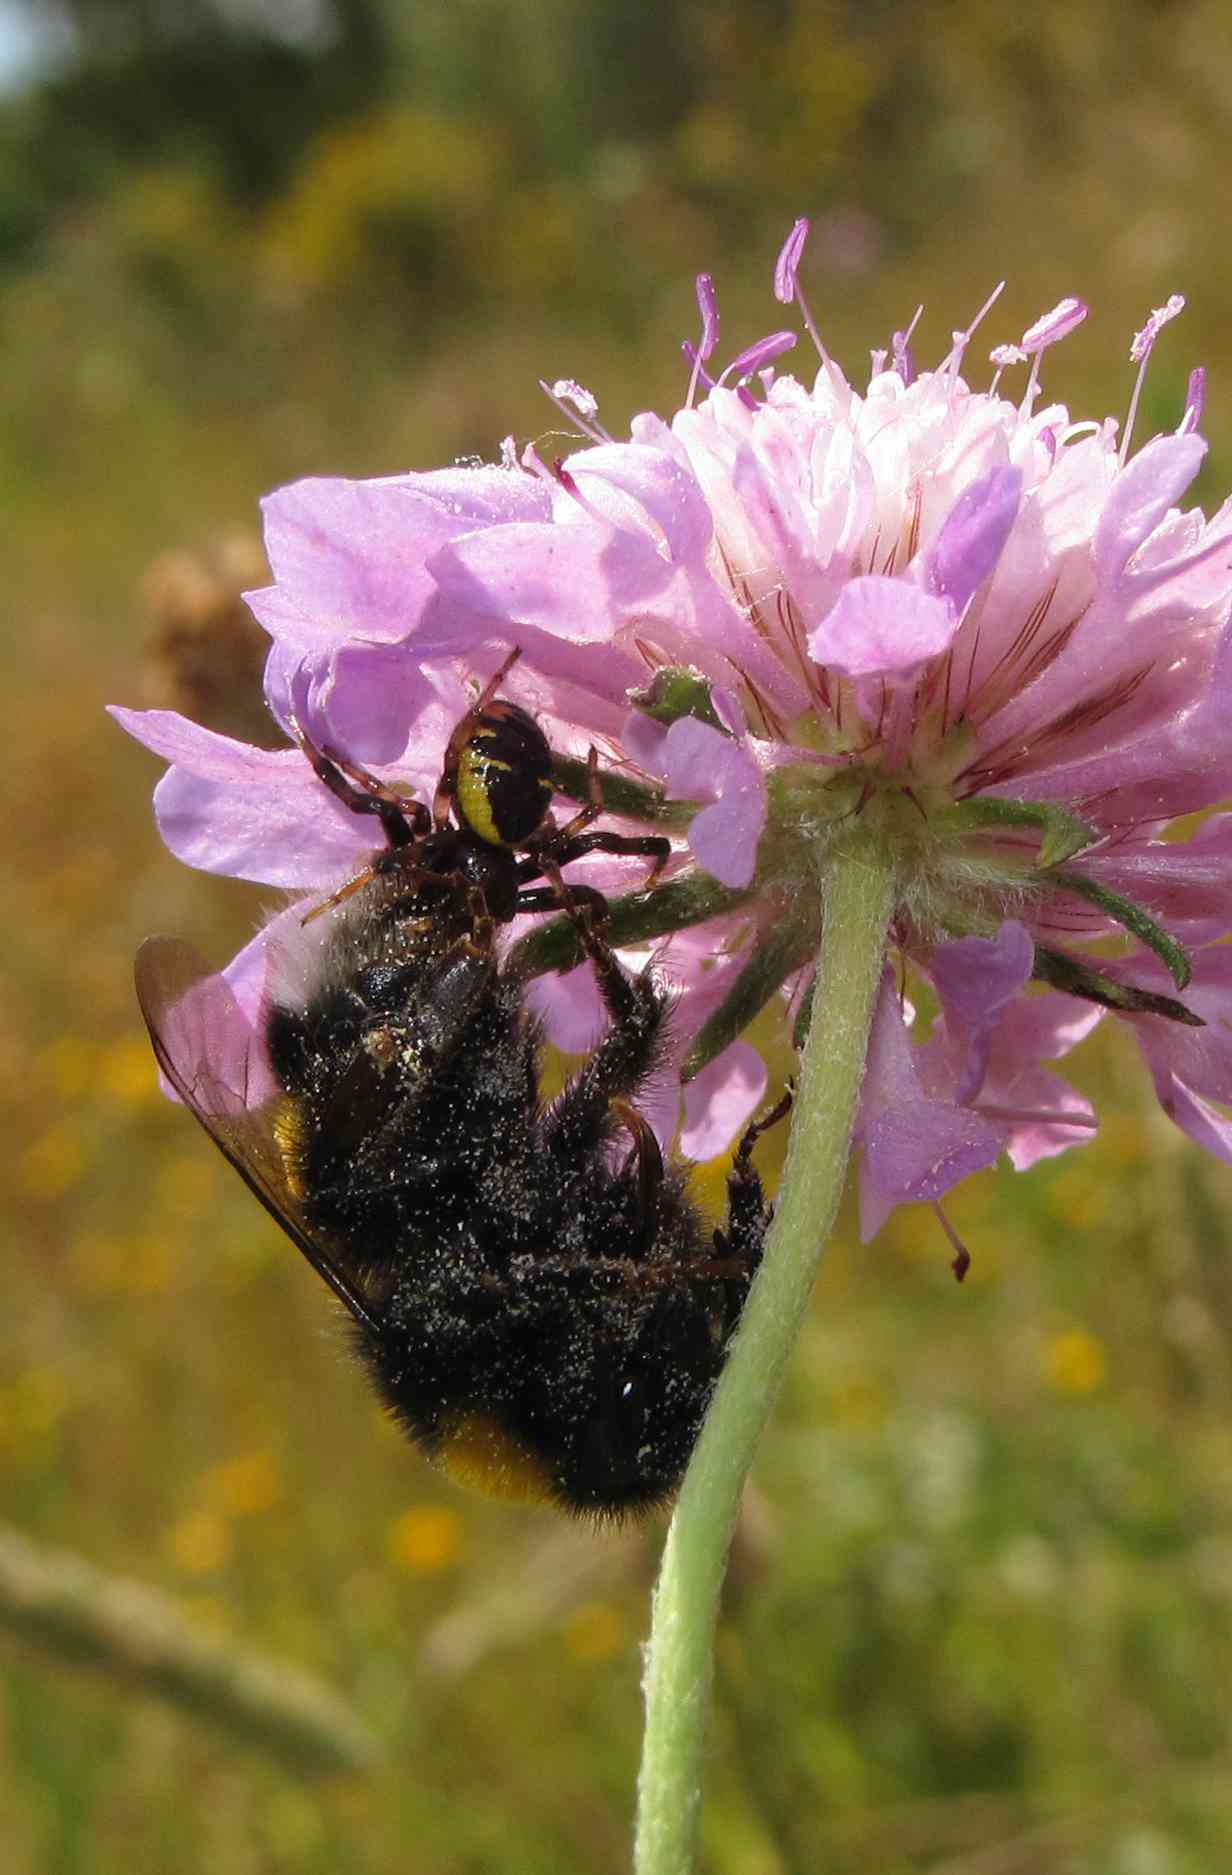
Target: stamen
{"type": "Point", "coordinates": [1030, 1116]}
{"type": "Point", "coordinates": [755, 356]}
{"type": "Point", "coordinates": [963, 339]}
{"type": "Point", "coordinates": [788, 262]}
{"type": "Point", "coordinates": [1195, 402]}
{"type": "Point", "coordinates": [900, 345]}
{"type": "Point", "coordinates": [578, 405]}
{"type": "Point", "coordinates": [1139, 354]}
{"type": "Point", "coordinates": [962, 1256]}
{"type": "Point", "coordinates": [1003, 356]}
{"type": "Point", "coordinates": [708, 306]}
{"type": "Point", "coordinates": [787, 286]}
{"type": "Point", "coordinates": [700, 374]}
{"type": "Point", "coordinates": [1048, 330]}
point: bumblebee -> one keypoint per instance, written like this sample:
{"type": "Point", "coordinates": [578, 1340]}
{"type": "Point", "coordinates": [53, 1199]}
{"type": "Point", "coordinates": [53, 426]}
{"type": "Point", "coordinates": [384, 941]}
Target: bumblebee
{"type": "Point", "coordinates": [534, 1294]}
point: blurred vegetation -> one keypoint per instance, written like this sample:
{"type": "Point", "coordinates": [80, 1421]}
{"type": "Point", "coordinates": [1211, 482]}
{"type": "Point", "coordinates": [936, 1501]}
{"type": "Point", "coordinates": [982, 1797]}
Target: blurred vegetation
{"type": "Point", "coordinates": [981, 1622]}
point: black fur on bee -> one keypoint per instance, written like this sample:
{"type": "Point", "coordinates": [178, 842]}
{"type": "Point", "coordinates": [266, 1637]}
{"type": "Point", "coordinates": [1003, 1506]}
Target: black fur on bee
{"type": "Point", "coordinates": [533, 1291]}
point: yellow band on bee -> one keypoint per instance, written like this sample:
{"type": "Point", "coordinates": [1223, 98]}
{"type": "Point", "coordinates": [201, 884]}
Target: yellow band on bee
{"type": "Point", "coordinates": [477, 1452]}
{"type": "Point", "coordinates": [291, 1137]}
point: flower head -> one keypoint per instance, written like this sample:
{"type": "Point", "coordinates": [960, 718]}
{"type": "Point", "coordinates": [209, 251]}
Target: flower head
{"type": "Point", "coordinates": [794, 617]}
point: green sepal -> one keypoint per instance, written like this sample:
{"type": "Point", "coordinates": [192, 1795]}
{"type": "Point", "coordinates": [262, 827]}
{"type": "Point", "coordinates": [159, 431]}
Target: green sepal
{"type": "Point", "coordinates": [619, 794]}
{"type": "Point", "coordinates": [776, 956]}
{"type": "Point", "coordinates": [1063, 834]}
{"type": "Point", "coordinates": [632, 919]}
{"type": "Point", "coordinates": [1066, 973]}
{"type": "Point", "coordinates": [1135, 920]}
{"type": "Point", "coordinates": [675, 691]}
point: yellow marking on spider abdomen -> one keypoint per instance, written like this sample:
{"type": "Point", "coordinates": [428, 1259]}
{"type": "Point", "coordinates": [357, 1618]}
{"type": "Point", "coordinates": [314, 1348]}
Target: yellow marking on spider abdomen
{"type": "Point", "coordinates": [477, 1452]}
{"type": "Point", "coordinates": [474, 794]}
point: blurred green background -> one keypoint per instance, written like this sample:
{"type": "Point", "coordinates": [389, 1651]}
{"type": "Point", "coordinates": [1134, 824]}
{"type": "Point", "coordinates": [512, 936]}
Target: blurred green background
{"type": "Point", "coordinates": [981, 1617]}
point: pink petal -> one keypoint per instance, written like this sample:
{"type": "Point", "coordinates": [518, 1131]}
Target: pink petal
{"type": "Point", "coordinates": [972, 537]}
{"type": "Point", "coordinates": [251, 813]}
{"type": "Point", "coordinates": [701, 762]}
{"type": "Point", "coordinates": [1204, 1123]}
{"type": "Point", "coordinates": [580, 581]}
{"type": "Point", "coordinates": [913, 1147]}
{"type": "Point", "coordinates": [976, 977]}
{"type": "Point", "coordinates": [354, 553]}
{"type": "Point", "coordinates": [721, 1100]}
{"type": "Point", "coordinates": [1149, 485]}
{"type": "Point", "coordinates": [294, 835]}
{"type": "Point", "coordinates": [570, 1006]}
{"type": "Point", "coordinates": [1201, 1059]}
{"type": "Point", "coordinates": [882, 627]}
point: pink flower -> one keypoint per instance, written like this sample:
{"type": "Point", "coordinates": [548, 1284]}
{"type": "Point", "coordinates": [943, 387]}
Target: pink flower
{"type": "Point", "coordinates": [978, 631]}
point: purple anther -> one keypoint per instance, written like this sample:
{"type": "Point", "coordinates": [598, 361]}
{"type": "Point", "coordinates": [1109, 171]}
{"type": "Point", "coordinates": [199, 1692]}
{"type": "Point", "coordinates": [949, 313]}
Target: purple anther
{"type": "Point", "coordinates": [1195, 401]}
{"type": "Point", "coordinates": [1054, 325]}
{"type": "Point", "coordinates": [708, 306]}
{"type": "Point", "coordinates": [568, 391]}
{"type": "Point", "coordinates": [1144, 340]}
{"type": "Point", "coordinates": [752, 359]}
{"type": "Point", "coordinates": [788, 263]}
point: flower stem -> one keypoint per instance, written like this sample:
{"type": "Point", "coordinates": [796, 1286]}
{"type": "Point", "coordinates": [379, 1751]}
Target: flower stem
{"type": "Point", "coordinates": [858, 904]}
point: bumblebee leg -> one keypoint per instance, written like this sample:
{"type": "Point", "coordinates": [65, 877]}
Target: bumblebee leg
{"type": "Point", "coordinates": [646, 1158]}
{"type": "Point", "coordinates": [482, 935]}
{"type": "Point", "coordinates": [580, 1116]}
{"type": "Point", "coordinates": [748, 1214]}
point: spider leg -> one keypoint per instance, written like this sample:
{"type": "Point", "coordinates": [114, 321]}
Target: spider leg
{"type": "Point", "coordinates": [652, 846]}
{"type": "Point", "coordinates": [402, 819]}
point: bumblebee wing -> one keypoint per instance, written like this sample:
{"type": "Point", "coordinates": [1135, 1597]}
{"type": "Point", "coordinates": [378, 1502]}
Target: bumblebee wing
{"type": "Point", "coordinates": [207, 1051]}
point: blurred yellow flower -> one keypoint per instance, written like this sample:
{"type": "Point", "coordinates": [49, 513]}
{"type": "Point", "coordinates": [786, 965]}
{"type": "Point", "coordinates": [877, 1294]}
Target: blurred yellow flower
{"type": "Point", "coordinates": [67, 1065]}
{"type": "Point", "coordinates": [595, 1631]}
{"type": "Point", "coordinates": [184, 1185]}
{"type": "Point", "coordinates": [54, 1162]}
{"type": "Point", "coordinates": [31, 1408]}
{"type": "Point", "coordinates": [1075, 1362]}
{"type": "Point", "coordinates": [103, 1265]}
{"type": "Point", "coordinates": [426, 1540]}
{"type": "Point", "coordinates": [857, 1402]}
{"type": "Point", "coordinates": [243, 1486]}
{"type": "Point", "coordinates": [126, 1072]}
{"type": "Point", "coordinates": [200, 1543]}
